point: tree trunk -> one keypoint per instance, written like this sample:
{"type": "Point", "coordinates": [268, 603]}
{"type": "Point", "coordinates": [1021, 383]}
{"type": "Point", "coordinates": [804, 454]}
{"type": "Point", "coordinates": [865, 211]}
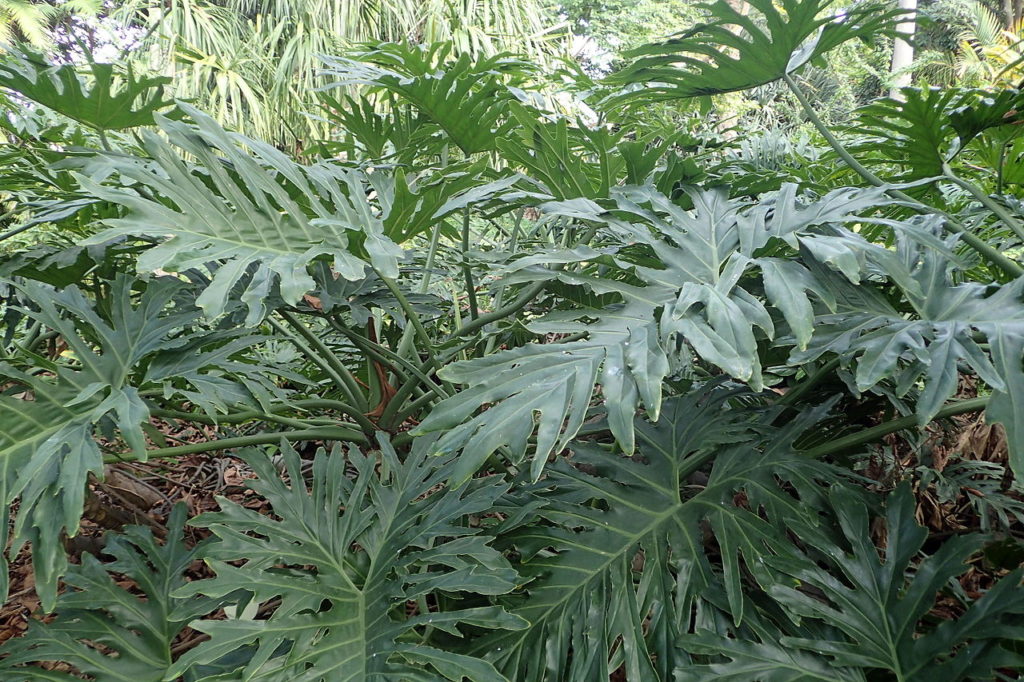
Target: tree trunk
{"type": "Point", "coordinates": [1013, 12]}
{"type": "Point", "coordinates": [903, 51]}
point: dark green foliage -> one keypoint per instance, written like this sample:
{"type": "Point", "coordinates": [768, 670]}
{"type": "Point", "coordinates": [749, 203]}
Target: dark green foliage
{"type": "Point", "coordinates": [623, 552]}
{"type": "Point", "coordinates": [777, 38]}
{"type": "Point", "coordinates": [882, 613]}
{"type": "Point", "coordinates": [107, 101]}
{"type": "Point", "coordinates": [863, 613]}
{"type": "Point", "coordinates": [49, 447]}
{"type": "Point", "coordinates": [466, 98]}
{"type": "Point", "coordinates": [106, 631]}
{"type": "Point", "coordinates": [914, 132]}
{"type": "Point", "coordinates": [341, 559]}
{"type": "Point", "coordinates": [622, 371]}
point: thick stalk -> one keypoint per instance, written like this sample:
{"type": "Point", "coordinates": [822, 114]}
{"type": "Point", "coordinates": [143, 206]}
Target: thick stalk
{"type": "Point", "coordinates": [991, 254]}
{"type": "Point", "coordinates": [370, 348]}
{"type": "Point", "coordinates": [388, 418]}
{"type": "Point", "coordinates": [34, 336]}
{"type": "Point", "coordinates": [467, 271]}
{"type": "Point", "coordinates": [499, 295]}
{"type": "Point", "coordinates": [526, 295]}
{"type": "Point", "coordinates": [313, 357]}
{"type": "Point", "coordinates": [104, 142]}
{"type": "Point", "coordinates": [457, 314]}
{"type": "Point", "coordinates": [324, 433]}
{"type": "Point", "coordinates": [250, 415]}
{"type": "Point", "coordinates": [413, 317]}
{"type": "Point", "coordinates": [801, 389]}
{"type": "Point", "coordinates": [238, 418]}
{"type": "Point", "coordinates": [398, 364]}
{"type": "Point", "coordinates": [16, 231]}
{"type": "Point", "coordinates": [428, 269]}
{"type": "Point", "coordinates": [335, 368]}
{"type": "Point", "coordinates": [432, 391]}
{"type": "Point", "coordinates": [412, 408]}
{"type": "Point", "coordinates": [884, 429]}
{"type": "Point", "coordinates": [326, 404]}
{"type": "Point", "coordinates": [1008, 218]}
{"type": "Point", "coordinates": [428, 272]}
{"type": "Point", "coordinates": [392, 417]}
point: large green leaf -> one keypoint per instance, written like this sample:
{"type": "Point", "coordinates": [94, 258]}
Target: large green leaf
{"type": "Point", "coordinates": [679, 276]}
{"type": "Point", "coordinates": [570, 161]}
{"type": "Point", "coordinates": [879, 608]}
{"type": "Point", "coordinates": [944, 324]}
{"type": "Point", "coordinates": [379, 130]}
{"type": "Point", "coordinates": [982, 110]}
{"type": "Point", "coordinates": [744, 47]}
{"type": "Point", "coordinates": [264, 214]}
{"type": "Point", "coordinates": [116, 347]}
{"type": "Point", "coordinates": [925, 128]}
{"type": "Point", "coordinates": [624, 552]}
{"type": "Point", "coordinates": [556, 382]}
{"type": "Point", "coordinates": [341, 559]}
{"type": "Point", "coordinates": [43, 430]}
{"type": "Point", "coordinates": [765, 661]}
{"type": "Point", "coordinates": [413, 205]}
{"type": "Point", "coordinates": [702, 257]}
{"type": "Point", "coordinates": [106, 631]}
{"type": "Point", "coordinates": [48, 463]}
{"type": "Point", "coordinates": [467, 98]}
{"type": "Point", "coordinates": [107, 101]}
{"type": "Point", "coordinates": [912, 131]}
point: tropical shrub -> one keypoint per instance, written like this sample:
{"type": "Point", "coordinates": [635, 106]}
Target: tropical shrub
{"type": "Point", "coordinates": [524, 395]}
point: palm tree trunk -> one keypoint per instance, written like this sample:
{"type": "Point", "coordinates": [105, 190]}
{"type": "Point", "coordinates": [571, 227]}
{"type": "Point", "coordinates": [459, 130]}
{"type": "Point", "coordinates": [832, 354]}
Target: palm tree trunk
{"type": "Point", "coordinates": [1013, 13]}
{"type": "Point", "coordinates": [903, 51]}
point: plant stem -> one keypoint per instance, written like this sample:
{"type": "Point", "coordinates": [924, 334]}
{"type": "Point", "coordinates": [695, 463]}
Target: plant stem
{"type": "Point", "coordinates": [985, 200]}
{"type": "Point", "coordinates": [391, 416]}
{"type": "Point", "coordinates": [34, 336]}
{"type": "Point", "coordinates": [412, 408]}
{"type": "Point", "coordinates": [387, 417]}
{"type": "Point", "coordinates": [323, 433]}
{"type": "Point", "coordinates": [388, 357]}
{"type": "Point", "coordinates": [334, 367]}
{"type": "Point", "coordinates": [249, 415]}
{"type": "Point", "coordinates": [413, 318]}
{"type": "Point", "coordinates": [41, 339]}
{"type": "Point", "coordinates": [405, 345]}
{"type": "Point", "coordinates": [987, 251]}
{"type": "Point", "coordinates": [528, 294]}
{"type": "Point", "coordinates": [884, 429]}
{"type": "Point", "coordinates": [311, 354]}
{"type": "Point", "coordinates": [236, 418]}
{"type": "Point", "coordinates": [428, 268]}
{"type": "Point", "coordinates": [499, 295]}
{"type": "Point", "coordinates": [798, 391]}
{"type": "Point", "coordinates": [17, 230]}
{"type": "Point", "coordinates": [104, 142]}
{"type": "Point", "coordinates": [467, 271]}
{"type": "Point", "coordinates": [326, 404]}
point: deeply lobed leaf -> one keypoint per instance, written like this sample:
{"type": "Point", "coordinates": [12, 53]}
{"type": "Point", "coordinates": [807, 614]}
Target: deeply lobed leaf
{"type": "Point", "coordinates": [339, 560]}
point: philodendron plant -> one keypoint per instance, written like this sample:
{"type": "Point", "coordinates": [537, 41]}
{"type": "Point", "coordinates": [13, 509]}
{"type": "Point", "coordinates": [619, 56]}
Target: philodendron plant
{"type": "Point", "coordinates": [525, 396]}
